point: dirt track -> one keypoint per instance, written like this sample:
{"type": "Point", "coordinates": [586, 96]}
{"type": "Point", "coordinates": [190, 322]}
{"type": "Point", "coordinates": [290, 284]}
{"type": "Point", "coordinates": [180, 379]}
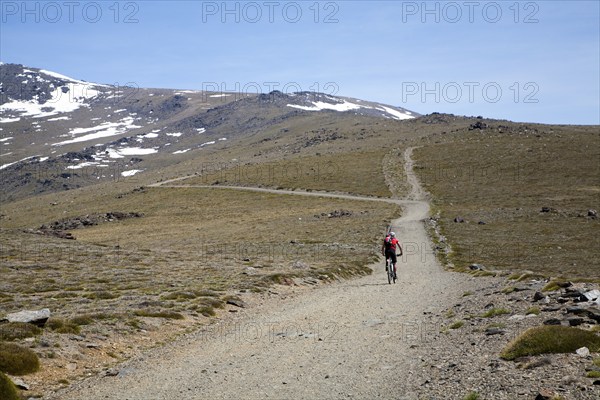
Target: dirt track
{"type": "Point", "coordinates": [354, 339]}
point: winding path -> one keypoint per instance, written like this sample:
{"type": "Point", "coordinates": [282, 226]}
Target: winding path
{"type": "Point", "coordinates": [352, 339]}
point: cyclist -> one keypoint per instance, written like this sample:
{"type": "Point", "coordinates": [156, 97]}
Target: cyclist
{"type": "Point", "coordinates": [388, 249]}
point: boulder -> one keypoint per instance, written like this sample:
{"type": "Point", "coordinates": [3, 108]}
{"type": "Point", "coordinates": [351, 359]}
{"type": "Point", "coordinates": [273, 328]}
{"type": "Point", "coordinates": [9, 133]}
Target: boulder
{"type": "Point", "coordinates": [38, 317]}
{"type": "Point", "coordinates": [575, 321]}
{"type": "Point", "coordinates": [583, 352]}
{"type": "Point", "coordinates": [592, 295]}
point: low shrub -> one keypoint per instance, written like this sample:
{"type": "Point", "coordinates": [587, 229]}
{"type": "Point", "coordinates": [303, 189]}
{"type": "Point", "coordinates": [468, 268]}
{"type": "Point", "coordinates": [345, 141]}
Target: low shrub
{"type": "Point", "coordinates": [550, 339]}
{"type": "Point", "coordinates": [8, 390]}
{"type": "Point", "coordinates": [17, 360]}
{"type": "Point", "coordinates": [18, 330]}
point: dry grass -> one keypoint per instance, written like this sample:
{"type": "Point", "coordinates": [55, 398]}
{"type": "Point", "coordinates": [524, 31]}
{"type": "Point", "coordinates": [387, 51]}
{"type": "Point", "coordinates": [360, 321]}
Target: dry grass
{"type": "Point", "coordinates": [353, 172]}
{"type": "Point", "coordinates": [504, 179]}
{"type": "Point", "coordinates": [210, 244]}
{"type": "Point", "coordinates": [17, 330]}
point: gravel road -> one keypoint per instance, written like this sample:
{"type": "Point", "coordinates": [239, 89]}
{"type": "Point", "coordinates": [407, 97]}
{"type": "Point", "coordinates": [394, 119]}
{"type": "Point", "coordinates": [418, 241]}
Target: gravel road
{"type": "Point", "coordinates": [360, 338]}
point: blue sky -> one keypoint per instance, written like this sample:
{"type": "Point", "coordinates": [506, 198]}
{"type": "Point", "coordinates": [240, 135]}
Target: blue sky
{"type": "Point", "coordinates": [535, 61]}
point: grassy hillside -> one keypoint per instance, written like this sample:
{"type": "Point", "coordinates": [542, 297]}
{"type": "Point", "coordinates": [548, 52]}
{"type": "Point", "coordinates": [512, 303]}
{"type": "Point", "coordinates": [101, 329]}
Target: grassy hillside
{"type": "Point", "coordinates": [504, 176]}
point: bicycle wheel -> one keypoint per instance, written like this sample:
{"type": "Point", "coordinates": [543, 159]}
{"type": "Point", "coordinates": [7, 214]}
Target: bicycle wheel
{"type": "Point", "coordinates": [390, 272]}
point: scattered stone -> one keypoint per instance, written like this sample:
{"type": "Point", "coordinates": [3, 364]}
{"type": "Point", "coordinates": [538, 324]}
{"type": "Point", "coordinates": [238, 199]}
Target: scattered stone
{"type": "Point", "coordinates": [300, 265]}
{"type": "Point", "coordinates": [538, 296]}
{"type": "Point", "coordinates": [592, 213]}
{"type": "Point", "coordinates": [476, 267]}
{"type": "Point", "coordinates": [592, 295]}
{"type": "Point", "coordinates": [544, 394]}
{"type": "Point", "coordinates": [37, 317]}
{"type": "Point", "coordinates": [19, 383]}
{"type": "Point", "coordinates": [71, 366]}
{"type": "Point", "coordinates": [552, 321]}
{"type": "Point", "coordinates": [494, 331]}
{"type": "Point", "coordinates": [517, 317]}
{"type": "Point", "coordinates": [236, 302]}
{"type": "Point", "coordinates": [548, 210]}
{"type": "Point", "coordinates": [478, 125]}
{"type": "Point", "coordinates": [92, 345]}
{"type": "Point", "coordinates": [575, 321]}
{"type": "Point", "coordinates": [481, 223]}
{"type": "Point", "coordinates": [459, 220]}
{"type": "Point", "coordinates": [583, 352]}
{"type": "Point", "coordinates": [551, 309]}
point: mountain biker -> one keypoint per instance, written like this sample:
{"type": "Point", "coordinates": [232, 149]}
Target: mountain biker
{"type": "Point", "coordinates": [388, 249]}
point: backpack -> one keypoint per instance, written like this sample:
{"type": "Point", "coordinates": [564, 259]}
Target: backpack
{"type": "Point", "coordinates": [387, 242]}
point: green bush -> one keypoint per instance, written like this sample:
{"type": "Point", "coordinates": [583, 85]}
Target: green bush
{"type": "Point", "coordinates": [17, 360]}
{"type": "Point", "coordinates": [550, 339]}
{"type": "Point", "coordinates": [8, 391]}
{"type": "Point", "coordinates": [18, 330]}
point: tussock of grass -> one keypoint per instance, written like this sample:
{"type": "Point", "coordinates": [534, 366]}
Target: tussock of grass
{"type": "Point", "coordinates": [509, 289]}
{"type": "Point", "coordinates": [468, 293]}
{"type": "Point", "coordinates": [593, 374]}
{"type": "Point", "coordinates": [59, 325]}
{"type": "Point", "coordinates": [596, 362]}
{"type": "Point", "coordinates": [8, 390]}
{"type": "Point", "coordinates": [533, 310]}
{"type": "Point", "coordinates": [551, 286]}
{"type": "Point", "coordinates": [495, 312]}
{"type": "Point", "coordinates": [82, 320]}
{"type": "Point", "coordinates": [450, 314]}
{"type": "Point", "coordinates": [17, 360]}
{"type": "Point", "coordinates": [457, 325]}
{"type": "Point", "coordinates": [18, 330]}
{"type": "Point", "coordinates": [550, 339]}
{"type": "Point", "coordinates": [159, 314]}
{"type": "Point", "coordinates": [472, 396]}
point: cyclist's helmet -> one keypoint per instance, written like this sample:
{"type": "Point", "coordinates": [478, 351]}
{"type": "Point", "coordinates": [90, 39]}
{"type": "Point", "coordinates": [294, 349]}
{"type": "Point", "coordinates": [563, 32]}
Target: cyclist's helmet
{"type": "Point", "coordinates": [392, 234]}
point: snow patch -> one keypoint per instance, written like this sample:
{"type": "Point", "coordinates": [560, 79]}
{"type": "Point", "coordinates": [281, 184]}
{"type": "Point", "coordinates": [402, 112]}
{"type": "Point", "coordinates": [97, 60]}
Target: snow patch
{"type": "Point", "coordinates": [131, 172]}
{"type": "Point", "coordinates": [105, 129]}
{"type": "Point", "coordinates": [16, 162]}
{"type": "Point", "coordinates": [181, 151]}
{"type": "Point", "coordinates": [7, 120]}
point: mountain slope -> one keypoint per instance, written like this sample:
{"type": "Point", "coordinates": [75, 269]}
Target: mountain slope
{"type": "Point", "coordinates": [74, 133]}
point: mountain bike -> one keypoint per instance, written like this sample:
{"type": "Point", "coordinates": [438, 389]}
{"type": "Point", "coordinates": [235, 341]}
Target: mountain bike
{"type": "Point", "coordinates": [390, 269]}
